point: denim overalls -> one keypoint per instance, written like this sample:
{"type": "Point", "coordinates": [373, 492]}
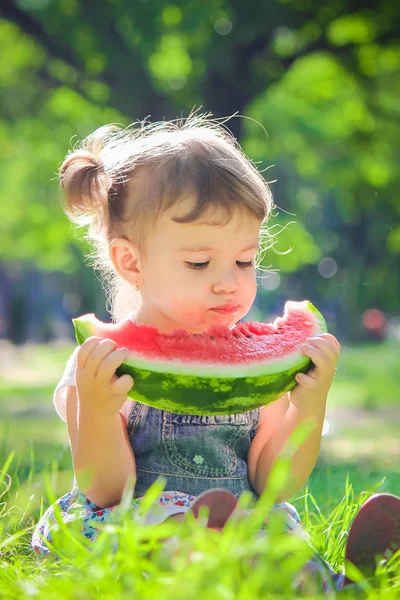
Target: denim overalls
{"type": "Point", "coordinates": [191, 453]}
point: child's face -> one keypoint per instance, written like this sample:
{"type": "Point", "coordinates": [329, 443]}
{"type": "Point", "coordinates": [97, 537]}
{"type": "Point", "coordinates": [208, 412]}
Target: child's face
{"type": "Point", "coordinates": [179, 295]}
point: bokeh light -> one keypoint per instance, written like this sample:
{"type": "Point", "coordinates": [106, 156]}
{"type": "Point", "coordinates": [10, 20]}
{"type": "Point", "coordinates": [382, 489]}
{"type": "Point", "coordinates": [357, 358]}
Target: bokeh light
{"type": "Point", "coordinates": [374, 319]}
{"type": "Point", "coordinates": [326, 428]}
{"type": "Point", "coordinates": [223, 26]}
{"type": "Point", "coordinates": [177, 83]}
{"type": "Point", "coordinates": [327, 267]}
{"type": "Point", "coordinates": [271, 281]}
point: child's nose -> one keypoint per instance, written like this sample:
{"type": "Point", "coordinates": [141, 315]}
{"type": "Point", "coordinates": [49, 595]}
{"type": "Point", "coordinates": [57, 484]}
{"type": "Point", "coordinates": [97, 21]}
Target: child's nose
{"type": "Point", "coordinates": [227, 283]}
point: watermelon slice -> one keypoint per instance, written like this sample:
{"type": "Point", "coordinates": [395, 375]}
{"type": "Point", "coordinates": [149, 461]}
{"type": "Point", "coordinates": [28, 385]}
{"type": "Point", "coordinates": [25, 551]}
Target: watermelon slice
{"type": "Point", "coordinates": [220, 372]}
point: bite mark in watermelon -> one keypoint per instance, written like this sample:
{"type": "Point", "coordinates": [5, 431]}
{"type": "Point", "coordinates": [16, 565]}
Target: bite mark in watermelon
{"type": "Point", "coordinates": [221, 372]}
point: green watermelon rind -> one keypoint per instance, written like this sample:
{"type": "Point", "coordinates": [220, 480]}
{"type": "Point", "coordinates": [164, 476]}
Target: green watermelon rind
{"type": "Point", "coordinates": [208, 396]}
{"type": "Point", "coordinates": [210, 389]}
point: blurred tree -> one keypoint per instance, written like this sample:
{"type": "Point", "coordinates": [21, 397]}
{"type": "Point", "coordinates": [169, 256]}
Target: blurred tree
{"type": "Point", "coordinates": [323, 79]}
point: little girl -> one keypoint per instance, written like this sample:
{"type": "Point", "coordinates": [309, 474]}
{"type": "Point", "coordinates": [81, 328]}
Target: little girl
{"type": "Point", "coordinates": [176, 212]}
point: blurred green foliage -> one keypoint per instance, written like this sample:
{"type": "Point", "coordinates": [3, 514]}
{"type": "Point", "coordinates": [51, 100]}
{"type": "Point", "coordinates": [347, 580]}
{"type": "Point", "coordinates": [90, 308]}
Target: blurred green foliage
{"type": "Point", "coordinates": [318, 85]}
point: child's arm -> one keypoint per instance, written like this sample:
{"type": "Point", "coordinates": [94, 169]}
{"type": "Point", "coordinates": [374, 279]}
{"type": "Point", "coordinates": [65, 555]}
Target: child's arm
{"type": "Point", "coordinates": [307, 402]}
{"type": "Point", "coordinates": [304, 458]}
{"type": "Point", "coordinates": [99, 444]}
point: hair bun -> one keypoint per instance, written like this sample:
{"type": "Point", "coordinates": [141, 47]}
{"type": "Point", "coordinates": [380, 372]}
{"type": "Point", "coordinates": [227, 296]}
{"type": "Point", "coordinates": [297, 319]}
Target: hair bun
{"type": "Point", "coordinates": [86, 185]}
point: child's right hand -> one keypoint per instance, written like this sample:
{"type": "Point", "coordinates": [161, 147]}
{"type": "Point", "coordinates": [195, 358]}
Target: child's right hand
{"type": "Point", "coordinates": [99, 389]}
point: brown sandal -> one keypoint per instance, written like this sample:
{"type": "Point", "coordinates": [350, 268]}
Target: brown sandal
{"type": "Point", "coordinates": [375, 531]}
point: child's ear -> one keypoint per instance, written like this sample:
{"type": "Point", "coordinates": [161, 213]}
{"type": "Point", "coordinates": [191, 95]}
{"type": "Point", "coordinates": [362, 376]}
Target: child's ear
{"type": "Point", "coordinates": [126, 260]}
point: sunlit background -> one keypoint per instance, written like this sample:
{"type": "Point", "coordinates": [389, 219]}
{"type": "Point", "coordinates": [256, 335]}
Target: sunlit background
{"type": "Point", "coordinates": [315, 87]}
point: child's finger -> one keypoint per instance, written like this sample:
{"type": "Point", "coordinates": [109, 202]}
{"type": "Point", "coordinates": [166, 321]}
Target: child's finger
{"type": "Point", "coordinates": [98, 354]}
{"type": "Point", "coordinates": [325, 346]}
{"type": "Point", "coordinates": [110, 364]}
{"type": "Point", "coordinates": [305, 381]}
{"type": "Point", "coordinates": [84, 351]}
{"type": "Point", "coordinates": [320, 360]}
{"type": "Point", "coordinates": [331, 338]}
{"type": "Point", "coordinates": [123, 384]}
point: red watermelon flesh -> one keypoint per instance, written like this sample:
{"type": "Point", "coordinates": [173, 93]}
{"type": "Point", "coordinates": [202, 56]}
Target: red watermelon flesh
{"type": "Point", "coordinates": [246, 342]}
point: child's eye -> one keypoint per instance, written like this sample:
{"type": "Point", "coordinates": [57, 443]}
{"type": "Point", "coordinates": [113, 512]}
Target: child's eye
{"type": "Point", "coordinates": [249, 263]}
{"type": "Point", "coordinates": [194, 265]}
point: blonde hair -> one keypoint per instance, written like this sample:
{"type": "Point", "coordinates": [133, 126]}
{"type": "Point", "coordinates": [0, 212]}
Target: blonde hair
{"type": "Point", "coordinates": [118, 181]}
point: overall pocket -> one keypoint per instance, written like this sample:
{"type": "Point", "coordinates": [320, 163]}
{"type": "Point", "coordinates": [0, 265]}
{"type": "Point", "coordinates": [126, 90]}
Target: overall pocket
{"type": "Point", "coordinates": [202, 445]}
{"type": "Point", "coordinates": [134, 417]}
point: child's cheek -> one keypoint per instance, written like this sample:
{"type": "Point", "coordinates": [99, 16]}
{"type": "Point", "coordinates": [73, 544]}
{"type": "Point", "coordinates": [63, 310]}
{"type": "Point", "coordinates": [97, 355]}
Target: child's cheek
{"type": "Point", "coordinates": [188, 314]}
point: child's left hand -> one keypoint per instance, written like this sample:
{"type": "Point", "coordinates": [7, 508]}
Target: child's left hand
{"type": "Point", "coordinates": [311, 391]}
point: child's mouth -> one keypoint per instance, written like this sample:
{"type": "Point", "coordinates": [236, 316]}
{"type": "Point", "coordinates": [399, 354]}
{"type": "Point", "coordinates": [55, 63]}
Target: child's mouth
{"type": "Point", "coordinates": [228, 308]}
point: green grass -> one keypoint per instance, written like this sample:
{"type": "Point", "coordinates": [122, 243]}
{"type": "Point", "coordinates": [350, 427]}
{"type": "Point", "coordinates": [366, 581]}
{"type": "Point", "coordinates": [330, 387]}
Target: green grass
{"type": "Point", "coordinates": [358, 454]}
{"type": "Point", "coordinates": [129, 559]}
{"type": "Point", "coordinates": [367, 376]}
